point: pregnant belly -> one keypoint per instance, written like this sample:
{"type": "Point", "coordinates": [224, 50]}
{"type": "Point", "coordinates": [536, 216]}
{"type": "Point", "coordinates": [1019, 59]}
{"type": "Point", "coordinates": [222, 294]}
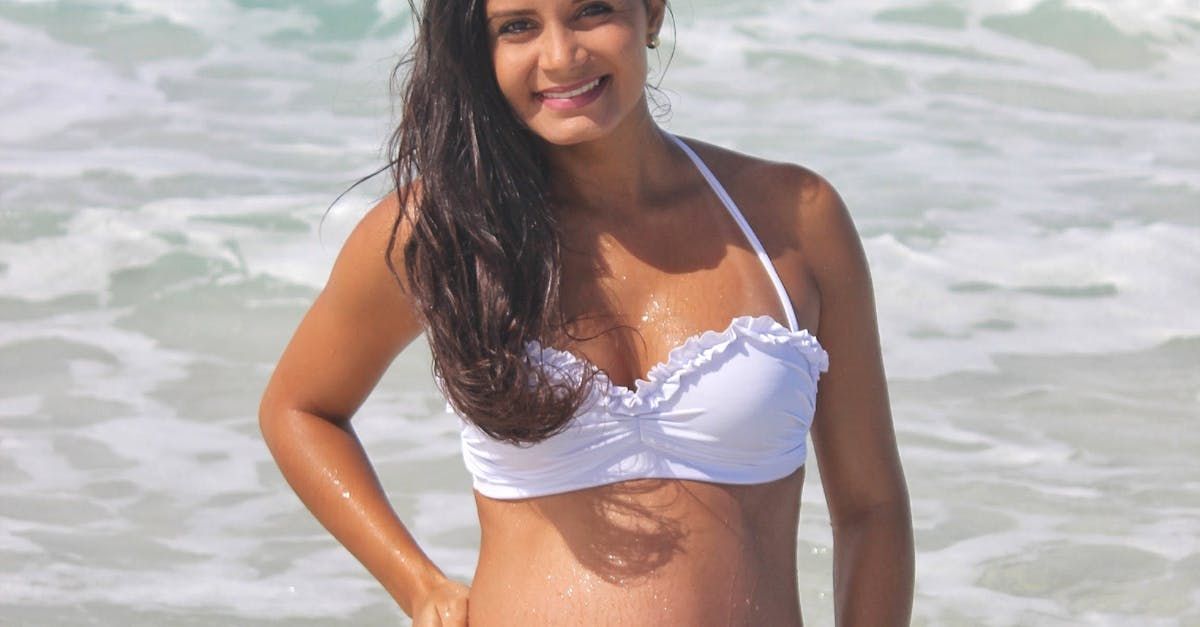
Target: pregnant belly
{"type": "Point", "coordinates": [660, 554]}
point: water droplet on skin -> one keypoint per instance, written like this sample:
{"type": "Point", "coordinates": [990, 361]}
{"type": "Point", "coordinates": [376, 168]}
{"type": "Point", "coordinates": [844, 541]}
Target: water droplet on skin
{"type": "Point", "coordinates": [345, 494]}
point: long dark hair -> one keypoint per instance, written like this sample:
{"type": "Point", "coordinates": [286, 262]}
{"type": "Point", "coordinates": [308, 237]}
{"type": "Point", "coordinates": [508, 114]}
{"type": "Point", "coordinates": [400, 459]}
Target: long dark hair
{"type": "Point", "coordinates": [482, 260]}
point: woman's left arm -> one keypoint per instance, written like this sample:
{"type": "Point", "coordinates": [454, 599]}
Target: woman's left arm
{"type": "Point", "coordinates": [852, 431]}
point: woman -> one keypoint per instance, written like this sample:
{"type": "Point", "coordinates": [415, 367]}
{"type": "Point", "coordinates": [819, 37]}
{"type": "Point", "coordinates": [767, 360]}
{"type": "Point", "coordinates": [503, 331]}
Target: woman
{"type": "Point", "coordinates": [621, 319]}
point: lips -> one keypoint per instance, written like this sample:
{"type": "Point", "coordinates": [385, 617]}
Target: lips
{"type": "Point", "coordinates": [575, 95]}
{"type": "Point", "coordinates": [574, 90]}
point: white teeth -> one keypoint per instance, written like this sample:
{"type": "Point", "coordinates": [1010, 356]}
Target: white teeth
{"type": "Point", "coordinates": [574, 92]}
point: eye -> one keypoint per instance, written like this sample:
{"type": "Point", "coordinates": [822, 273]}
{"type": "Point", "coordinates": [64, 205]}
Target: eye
{"type": "Point", "coordinates": [594, 9]}
{"type": "Point", "coordinates": [515, 27]}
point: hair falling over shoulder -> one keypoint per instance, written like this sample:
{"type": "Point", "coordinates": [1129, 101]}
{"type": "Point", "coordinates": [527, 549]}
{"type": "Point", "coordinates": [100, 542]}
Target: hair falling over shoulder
{"type": "Point", "coordinates": [481, 260]}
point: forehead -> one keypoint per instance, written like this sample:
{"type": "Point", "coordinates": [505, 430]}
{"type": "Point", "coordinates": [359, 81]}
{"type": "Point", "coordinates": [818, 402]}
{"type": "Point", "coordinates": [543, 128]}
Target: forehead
{"type": "Point", "coordinates": [535, 6]}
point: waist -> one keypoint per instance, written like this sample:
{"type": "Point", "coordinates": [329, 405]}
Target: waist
{"type": "Point", "coordinates": [641, 552]}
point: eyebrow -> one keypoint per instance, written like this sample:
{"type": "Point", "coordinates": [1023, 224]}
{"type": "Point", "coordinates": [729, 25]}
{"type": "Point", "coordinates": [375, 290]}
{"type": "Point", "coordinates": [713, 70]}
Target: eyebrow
{"type": "Point", "coordinates": [502, 14]}
{"type": "Point", "coordinates": [514, 12]}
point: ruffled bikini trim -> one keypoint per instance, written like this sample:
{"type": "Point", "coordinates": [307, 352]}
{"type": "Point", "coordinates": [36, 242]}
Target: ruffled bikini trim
{"type": "Point", "coordinates": [664, 380]}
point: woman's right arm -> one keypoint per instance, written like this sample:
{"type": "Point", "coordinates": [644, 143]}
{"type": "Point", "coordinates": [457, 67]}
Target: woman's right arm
{"type": "Point", "coordinates": [355, 328]}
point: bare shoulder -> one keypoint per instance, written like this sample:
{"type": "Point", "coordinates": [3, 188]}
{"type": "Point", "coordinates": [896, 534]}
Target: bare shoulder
{"type": "Point", "coordinates": [811, 194]}
{"type": "Point", "coordinates": [825, 229]}
{"type": "Point", "coordinates": [791, 203]}
{"type": "Point", "coordinates": [380, 220]}
{"type": "Point", "coordinates": [367, 285]}
{"type": "Point", "coordinates": [379, 237]}
{"type": "Point", "coordinates": [378, 226]}
{"type": "Point", "coordinates": [358, 323]}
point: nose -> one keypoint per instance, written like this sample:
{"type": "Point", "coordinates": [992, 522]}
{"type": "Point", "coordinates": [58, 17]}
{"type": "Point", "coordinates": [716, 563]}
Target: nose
{"type": "Point", "coordinates": [561, 50]}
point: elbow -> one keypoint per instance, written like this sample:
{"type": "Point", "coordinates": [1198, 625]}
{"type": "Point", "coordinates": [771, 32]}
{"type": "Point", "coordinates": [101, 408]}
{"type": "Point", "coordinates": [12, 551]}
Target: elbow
{"type": "Point", "coordinates": [272, 417]}
{"type": "Point", "coordinates": [884, 530]}
{"type": "Point", "coordinates": [282, 419]}
{"type": "Point", "coordinates": [885, 499]}
{"type": "Point", "coordinates": [268, 421]}
{"type": "Point", "coordinates": [281, 428]}
{"type": "Point", "coordinates": [892, 511]}
{"type": "Point", "coordinates": [266, 411]}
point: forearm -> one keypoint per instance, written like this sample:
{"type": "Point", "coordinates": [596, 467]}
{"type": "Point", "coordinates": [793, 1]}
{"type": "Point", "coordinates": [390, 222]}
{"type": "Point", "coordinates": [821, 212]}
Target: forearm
{"type": "Point", "coordinates": [873, 567]}
{"type": "Point", "coordinates": [325, 464]}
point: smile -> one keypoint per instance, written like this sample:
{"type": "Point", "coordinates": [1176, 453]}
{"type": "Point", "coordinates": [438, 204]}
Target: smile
{"type": "Point", "coordinates": [586, 87]}
{"type": "Point", "coordinates": [575, 96]}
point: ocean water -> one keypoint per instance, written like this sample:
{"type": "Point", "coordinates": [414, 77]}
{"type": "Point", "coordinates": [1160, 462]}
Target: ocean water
{"type": "Point", "coordinates": [1025, 176]}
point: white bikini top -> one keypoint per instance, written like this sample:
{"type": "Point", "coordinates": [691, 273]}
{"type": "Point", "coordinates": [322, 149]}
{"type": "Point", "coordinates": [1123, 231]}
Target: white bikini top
{"type": "Point", "coordinates": [731, 406]}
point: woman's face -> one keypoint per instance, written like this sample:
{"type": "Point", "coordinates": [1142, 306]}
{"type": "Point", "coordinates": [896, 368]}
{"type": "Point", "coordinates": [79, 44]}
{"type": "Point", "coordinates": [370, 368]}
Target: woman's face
{"type": "Point", "coordinates": [570, 69]}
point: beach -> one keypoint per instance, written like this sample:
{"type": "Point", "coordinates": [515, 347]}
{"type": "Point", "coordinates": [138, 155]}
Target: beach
{"type": "Point", "coordinates": [1025, 177]}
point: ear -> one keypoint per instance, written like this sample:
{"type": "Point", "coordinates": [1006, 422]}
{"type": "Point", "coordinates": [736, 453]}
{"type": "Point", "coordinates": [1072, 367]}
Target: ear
{"type": "Point", "coordinates": [656, 10]}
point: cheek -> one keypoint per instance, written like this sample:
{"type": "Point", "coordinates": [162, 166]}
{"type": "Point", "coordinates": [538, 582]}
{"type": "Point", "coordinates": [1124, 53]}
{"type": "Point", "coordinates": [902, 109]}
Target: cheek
{"type": "Point", "coordinates": [511, 78]}
{"type": "Point", "coordinates": [633, 66]}
{"type": "Point", "coordinates": [630, 51]}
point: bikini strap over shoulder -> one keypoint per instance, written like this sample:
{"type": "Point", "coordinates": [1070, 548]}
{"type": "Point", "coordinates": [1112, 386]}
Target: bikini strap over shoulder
{"type": "Point", "coordinates": [732, 207]}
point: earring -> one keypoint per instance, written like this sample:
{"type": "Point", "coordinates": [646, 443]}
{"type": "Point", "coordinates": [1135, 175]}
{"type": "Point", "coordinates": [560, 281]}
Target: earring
{"type": "Point", "coordinates": [653, 43]}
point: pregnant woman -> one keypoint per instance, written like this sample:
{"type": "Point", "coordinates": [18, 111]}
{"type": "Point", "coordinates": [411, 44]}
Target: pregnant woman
{"type": "Point", "coordinates": [637, 332]}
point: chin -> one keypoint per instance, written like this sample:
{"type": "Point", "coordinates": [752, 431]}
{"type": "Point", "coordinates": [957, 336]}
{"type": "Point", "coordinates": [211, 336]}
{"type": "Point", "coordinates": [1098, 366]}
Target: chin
{"type": "Point", "coordinates": [569, 133]}
{"type": "Point", "coordinates": [573, 138]}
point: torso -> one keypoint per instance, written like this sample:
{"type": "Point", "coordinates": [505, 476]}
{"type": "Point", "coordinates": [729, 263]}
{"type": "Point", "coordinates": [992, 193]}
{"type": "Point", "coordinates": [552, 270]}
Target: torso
{"type": "Point", "coordinates": [661, 551]}
{"type": "Point", "coordinates": [646, 552]}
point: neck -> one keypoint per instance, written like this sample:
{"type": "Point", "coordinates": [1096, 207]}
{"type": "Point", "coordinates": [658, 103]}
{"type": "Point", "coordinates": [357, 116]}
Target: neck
{"type": "Point", "coordinates": [617, 175]}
